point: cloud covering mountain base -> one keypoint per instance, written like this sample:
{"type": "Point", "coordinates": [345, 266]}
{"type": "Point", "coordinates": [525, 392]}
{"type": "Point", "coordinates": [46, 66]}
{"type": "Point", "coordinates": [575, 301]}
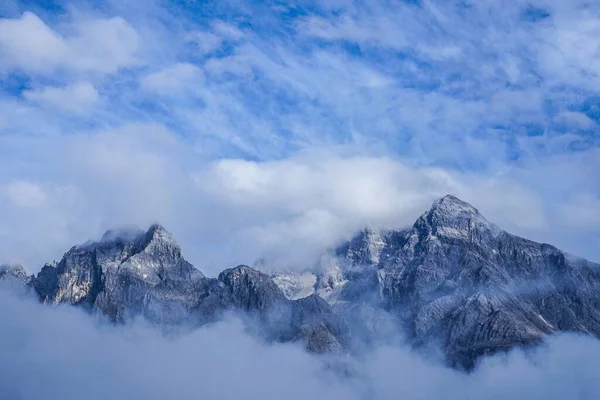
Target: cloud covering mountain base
{"type": "Point", "coordinates": [62, 353]}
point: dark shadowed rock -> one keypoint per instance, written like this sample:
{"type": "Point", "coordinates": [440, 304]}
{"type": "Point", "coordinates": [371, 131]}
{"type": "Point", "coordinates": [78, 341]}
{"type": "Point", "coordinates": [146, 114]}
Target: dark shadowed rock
{"type": "Point", "coordinates": [309, 320]}
{"type": "Point", "coordinates": [318, 326]}
{"type": "Point", "coordinates": [251, 290]}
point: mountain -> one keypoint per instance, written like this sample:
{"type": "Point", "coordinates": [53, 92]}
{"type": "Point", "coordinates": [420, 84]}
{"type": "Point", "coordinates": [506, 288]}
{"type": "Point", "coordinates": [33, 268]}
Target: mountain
{"type": "Point", "coordinates": [456, 279]}
{"type": "Point", "coordinates": [309, 320]}
{"type": "Point", "coordinates": [126, 274]}
{"type": "Point", "coordinates": [130, 273]}
{"type": "Point", "coordinates": [453, 280]}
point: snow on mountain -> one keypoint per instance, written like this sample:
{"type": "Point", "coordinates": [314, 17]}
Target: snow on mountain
{"type": "Point", "coordinates": [453, 278]}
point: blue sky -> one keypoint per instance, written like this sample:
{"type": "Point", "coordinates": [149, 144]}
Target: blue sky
{"type": "Point", "coordinates": [259, 127]}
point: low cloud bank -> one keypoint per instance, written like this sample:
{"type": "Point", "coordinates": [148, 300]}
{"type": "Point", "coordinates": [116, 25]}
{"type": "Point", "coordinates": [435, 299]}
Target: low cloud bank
{"type": "Point", "coordinates": [61, 353]}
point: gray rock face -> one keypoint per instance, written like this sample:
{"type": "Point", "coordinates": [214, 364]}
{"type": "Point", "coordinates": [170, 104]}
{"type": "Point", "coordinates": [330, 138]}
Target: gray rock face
{"type": "Point", "coordinates": [452, 278]}
{"type": "Point", "coordinates": [127, 274]}
{"type": "Point", "coordinates": [134, 273]}
{"type": "Point", "coordinates": [309, 320]}
{"type": "Point", "coordinates": [456, 278]}
{"type": "Point", "coordinates": [251, 290]}
{"type": "Point", "coordinates": [314, 323]}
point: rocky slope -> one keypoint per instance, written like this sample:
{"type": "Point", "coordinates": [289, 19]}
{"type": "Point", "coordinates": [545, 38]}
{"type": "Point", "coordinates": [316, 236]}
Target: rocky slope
{"type": "Point", "coordinates": [455, 278]}
{"type": "Point", "coordinates": [129, 274]}
{"type": "Point", "coordinates": [452, 279]}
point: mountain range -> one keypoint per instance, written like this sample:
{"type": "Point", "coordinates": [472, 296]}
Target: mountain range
{"type": "Point", "coordinates": [453, 282]}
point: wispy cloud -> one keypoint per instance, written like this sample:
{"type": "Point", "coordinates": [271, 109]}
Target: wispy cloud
{"type": "Point", "coordinates": [258, 126]}
{"type": "Point", "coordinates": [76, 98]}
{"type": "Point", "coordinates": [92, 45]}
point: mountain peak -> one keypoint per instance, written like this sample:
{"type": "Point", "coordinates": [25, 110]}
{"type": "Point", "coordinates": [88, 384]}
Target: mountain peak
{"type": "Point", "coordinates": [157, 237]}
{"type": "Point", "coordinates": [157, 228]}
{"type": "Point", "coordinates": [241, 271]}
{"type": "Point", "coordinates": [453, 218]}
{"type": "Point", "coordinates": [450, 204]}
{"type": "Point", "coordinates": [251, 289]}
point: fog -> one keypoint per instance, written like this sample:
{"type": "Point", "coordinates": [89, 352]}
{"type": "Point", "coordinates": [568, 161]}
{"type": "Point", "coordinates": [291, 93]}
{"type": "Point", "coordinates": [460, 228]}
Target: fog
{"type": "Point", "coordinates": [61, 353]}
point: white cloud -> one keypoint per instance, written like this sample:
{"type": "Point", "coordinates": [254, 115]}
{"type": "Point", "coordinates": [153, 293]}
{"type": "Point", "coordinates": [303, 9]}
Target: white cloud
{"type": "Point", "coordinates": [441, 112]}
{"type": "Point", "coordinates": [45, 347]}
{"type": "Point", "coordinates": [583, 212]}
{"type": "Point", "coordinates": [298, 207]}
{"type": "Point", "coordinates": [138, 363]}
{"type": "Point", "coordinates": [24, 194]}
{"type": "Point", "coordinates": [30, 211]}
{"type": "Point", "coordinates": [575, 120]}
{"type": "Point", "coordinates": [569, 51]}
{"type": "Point", "coordinates": [209, 41]}
{"type": "Point", "coordinates": [104, 45]}
{"type": "Point", "coordinates": [228, 31]}
{"type": "Point", "coordinates": [29, 43]}
{"type": "Point", "coordinates": [78, 98]}
{"type": "Point", "coordinates": [234, 211]}
{"type": "Point", "coordinates": [174, 79]}
{"type": "Point", "coordinates": [93, 45]}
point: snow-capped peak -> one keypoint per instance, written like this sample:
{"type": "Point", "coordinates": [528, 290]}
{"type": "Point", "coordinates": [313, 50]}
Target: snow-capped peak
{"type": "Point", "coordinates": [452, 205]}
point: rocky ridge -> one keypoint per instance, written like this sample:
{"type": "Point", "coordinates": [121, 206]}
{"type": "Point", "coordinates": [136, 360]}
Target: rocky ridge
{"type": "Point", "coordinates": [458, 280]}
{"type": "Point", "coordinates": [143, 274]}
{"type": "Point", "coordinates": [452, 279]}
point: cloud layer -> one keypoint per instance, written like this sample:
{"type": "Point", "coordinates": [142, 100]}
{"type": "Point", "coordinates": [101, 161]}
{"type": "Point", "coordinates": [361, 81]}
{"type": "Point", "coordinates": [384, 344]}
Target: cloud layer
{"type": "Point", "coordinates": [232, 211]}
{"type": "Point", "coordinates": [60, 353]}
{"type": "Point", "coordinates": [252, 129]}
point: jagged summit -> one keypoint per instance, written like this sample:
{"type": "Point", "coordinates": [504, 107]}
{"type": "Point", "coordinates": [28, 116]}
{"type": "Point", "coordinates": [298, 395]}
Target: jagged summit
{"type": "Point", "coordinates": [155, 232]}
{"type": "Point", "coordinates": [238, 271]}
{"type": "Point", "coordinates": [100, 275]}
{"type": "Point", "coordinates": [455, 278]}
{"type": "Point", "coordinates": [451, 218]}
{"type": "Point", "coordinates": [452, 278]}
{"type": "Point", "coordinates": [452, 205]}
{"type": "Point", "coordinates": [159, 232]}
{"type": "Point", "coordinates": [448, 218]}
{"type": "Point", "coordinates": [158, 241]}
{"type": "Point", "coordinates": [155, 240]}
{"type": "Point", "coordinates": [251, 289]}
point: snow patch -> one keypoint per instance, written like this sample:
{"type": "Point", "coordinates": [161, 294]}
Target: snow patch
{"type": "Point", "coordinates": [296, 285]}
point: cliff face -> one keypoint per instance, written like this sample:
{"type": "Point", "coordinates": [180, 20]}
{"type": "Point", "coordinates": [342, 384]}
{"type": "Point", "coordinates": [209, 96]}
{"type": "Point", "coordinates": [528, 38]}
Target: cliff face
{"type": "Point", "coordinates": [452, 278]}
{"type": "Point", "coordinates": [126, 274]}
{"type": "Point", "coordinates": [457, 279]}
{"type": "Point", "coordinates": [131, 274]}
